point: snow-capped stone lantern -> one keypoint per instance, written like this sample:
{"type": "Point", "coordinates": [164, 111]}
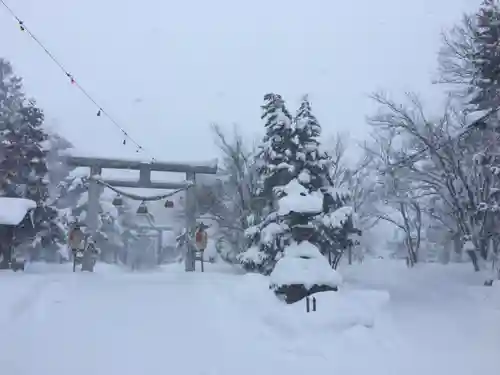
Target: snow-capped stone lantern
{"type": "Point", "coordinates": [302, 270]}
{"type": "Point", "coordinates": [302, 232]}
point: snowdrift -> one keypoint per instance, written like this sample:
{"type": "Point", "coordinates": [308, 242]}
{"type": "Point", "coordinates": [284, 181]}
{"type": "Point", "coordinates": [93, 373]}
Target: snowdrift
{"type": "Point", "coordinates": [301, 271]}
{"type": "Point", "coordinates": [336, 311]}
{"type": "Point", "coordinates": [302, 263]}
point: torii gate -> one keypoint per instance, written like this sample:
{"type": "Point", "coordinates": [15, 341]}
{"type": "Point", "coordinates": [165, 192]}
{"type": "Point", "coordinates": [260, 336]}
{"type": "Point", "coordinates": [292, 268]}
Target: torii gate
{"type": "Point", "coordinates": [97, 164]}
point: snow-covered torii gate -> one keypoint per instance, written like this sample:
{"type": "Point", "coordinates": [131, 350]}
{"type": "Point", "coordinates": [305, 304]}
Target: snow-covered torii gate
{"type": "Point", "coordinates": [97, 164]}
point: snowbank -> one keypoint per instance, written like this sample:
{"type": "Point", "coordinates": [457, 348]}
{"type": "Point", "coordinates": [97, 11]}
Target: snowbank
{"type": "Point", "coordinates": [307, 272]}
{"type": "Point", "coordinates": [13, 210]}
{"type": "Point", "coordinates": [302, 263]}
{"type": "Point", "coordinates": [336, 311]}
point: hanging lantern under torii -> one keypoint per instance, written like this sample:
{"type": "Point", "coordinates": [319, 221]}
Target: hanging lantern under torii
{"type": "Point", "coordinates": [142, 209]}
{"type": "Point", "coordinates": [118, 201]}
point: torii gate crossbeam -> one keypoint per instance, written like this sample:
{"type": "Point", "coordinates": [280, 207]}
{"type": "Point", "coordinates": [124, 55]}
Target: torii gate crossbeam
{"type": "Point", "coordinates": [97, 164]}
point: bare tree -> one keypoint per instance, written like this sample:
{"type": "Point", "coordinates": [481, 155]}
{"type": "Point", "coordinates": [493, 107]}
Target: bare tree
{"type": "Point", "coordinates": [235, 205]}
{"type": "Point", "coordinates": [442, 167]}
{"type": "Point", "coordinates": [354, 179]}
{"type": "Point", "coordinates": [400, 196]}
{"type": "Point", "coordinates": [456, 57]}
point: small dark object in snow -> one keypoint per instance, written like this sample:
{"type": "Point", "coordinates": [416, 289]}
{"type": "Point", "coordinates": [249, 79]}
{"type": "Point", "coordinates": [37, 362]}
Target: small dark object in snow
{"type": "Point", "coordinates": [17, 265]}
{"type": "Point", "coordinates": [488, 283]}
{"type": "Point", "coordinates": [308, 304]}
{"type": "Point", "coordinates": [295, 292]}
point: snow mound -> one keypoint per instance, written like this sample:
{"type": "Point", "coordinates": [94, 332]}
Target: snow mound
{"type": "Point", "coordinates": [13, 210]}
{"type": "Point", "coordinates": [336, 311]}
{"type": "Point", "coordinates": [302, 250]}
{"type": "Point", "coordinates": [302, 263]}
{"type": "Point", "coordinates": [298, 199]}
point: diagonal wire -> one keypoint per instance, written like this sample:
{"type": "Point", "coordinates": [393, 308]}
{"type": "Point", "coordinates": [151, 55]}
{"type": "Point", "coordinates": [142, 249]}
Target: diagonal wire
{"type": "Point", "coordinates": [101, 110]}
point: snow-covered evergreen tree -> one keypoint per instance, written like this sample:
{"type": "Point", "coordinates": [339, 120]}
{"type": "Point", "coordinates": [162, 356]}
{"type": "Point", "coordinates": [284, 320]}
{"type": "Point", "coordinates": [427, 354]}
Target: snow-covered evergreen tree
{"type": "Point", "coordinates": [275, 154]}
{"type": "Point", "coordinates": [312, 163]}
{"type": "Point", "coordinates": [23, 164]}
{"type": "Point", "coordinates": [485, 80]}
{"type": "Point", "coordinates": [480, 70]}
{"type": "Point", "coordinates": [334, 226]}
{"type": "Point", "coordinates": [274, 168]}
{"type": "Point", "coordinates": [297, 189]}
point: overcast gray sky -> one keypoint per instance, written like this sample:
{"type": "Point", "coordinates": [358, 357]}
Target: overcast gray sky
{"type": "Point", "coordinates": [167, 69]}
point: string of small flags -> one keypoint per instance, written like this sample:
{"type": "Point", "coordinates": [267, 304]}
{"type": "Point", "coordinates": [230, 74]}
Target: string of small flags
{"type": "Point", "coordinates": [100, 110]}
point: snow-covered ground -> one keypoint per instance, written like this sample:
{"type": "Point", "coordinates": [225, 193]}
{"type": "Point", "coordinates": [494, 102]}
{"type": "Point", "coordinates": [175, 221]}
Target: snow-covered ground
{"type": "Point", "coordinates": [385, 320]}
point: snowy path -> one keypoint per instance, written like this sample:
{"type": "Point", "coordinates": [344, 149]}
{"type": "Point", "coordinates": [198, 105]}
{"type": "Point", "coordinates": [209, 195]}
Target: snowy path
{"type": "Point", "coordinates": [216, 324]}
{"type": "Point", "coordinates": [126, 324]}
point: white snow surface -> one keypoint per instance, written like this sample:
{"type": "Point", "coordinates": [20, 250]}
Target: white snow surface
{"type": "Point", "coordinates": [191, 163]}
{"type": "Point", "coordinates": [385, 319]}
{"type": "Point", "coordinates": [339, 217]}
{"type": "Point", "coordinates": [269, 232]}
{"type": "Point", "coordinates": [297, 199]}
{"type": "Point", "coordinates": [302, 263]}
{"type": "Point", "coordinates": [13, 210]}
{"type": "Point", "coordinates": [252, 255]}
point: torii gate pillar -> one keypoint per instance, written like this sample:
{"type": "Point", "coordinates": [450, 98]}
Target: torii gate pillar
{"type": "Point", "coordinates": [190, 256]}
{"type": "Point", "coordinates": [93, 202]}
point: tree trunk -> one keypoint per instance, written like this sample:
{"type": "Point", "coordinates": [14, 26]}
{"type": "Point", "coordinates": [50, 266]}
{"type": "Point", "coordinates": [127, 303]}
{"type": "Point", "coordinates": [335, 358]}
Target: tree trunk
{"type": "Point", "coordinates": [473, 257]}
{"type": "Point", "coordinates": [336, 260]}
{"type": "Point", "coordinates": [483, 248]}
{"type": "Point", "coordinates": [6, 237]}
{"type": "Point", "coordinates": [445, 253]}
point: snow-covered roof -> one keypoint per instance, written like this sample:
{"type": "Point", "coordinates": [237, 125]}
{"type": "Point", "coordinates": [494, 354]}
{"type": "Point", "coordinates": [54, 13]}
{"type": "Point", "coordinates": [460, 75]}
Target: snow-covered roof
{"type": "Point", "coordinates": [80, 153]}
{"type": "Point", "coordinates": [13, 210]}
{"type": "Point", "coordinates": [294, 269]}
